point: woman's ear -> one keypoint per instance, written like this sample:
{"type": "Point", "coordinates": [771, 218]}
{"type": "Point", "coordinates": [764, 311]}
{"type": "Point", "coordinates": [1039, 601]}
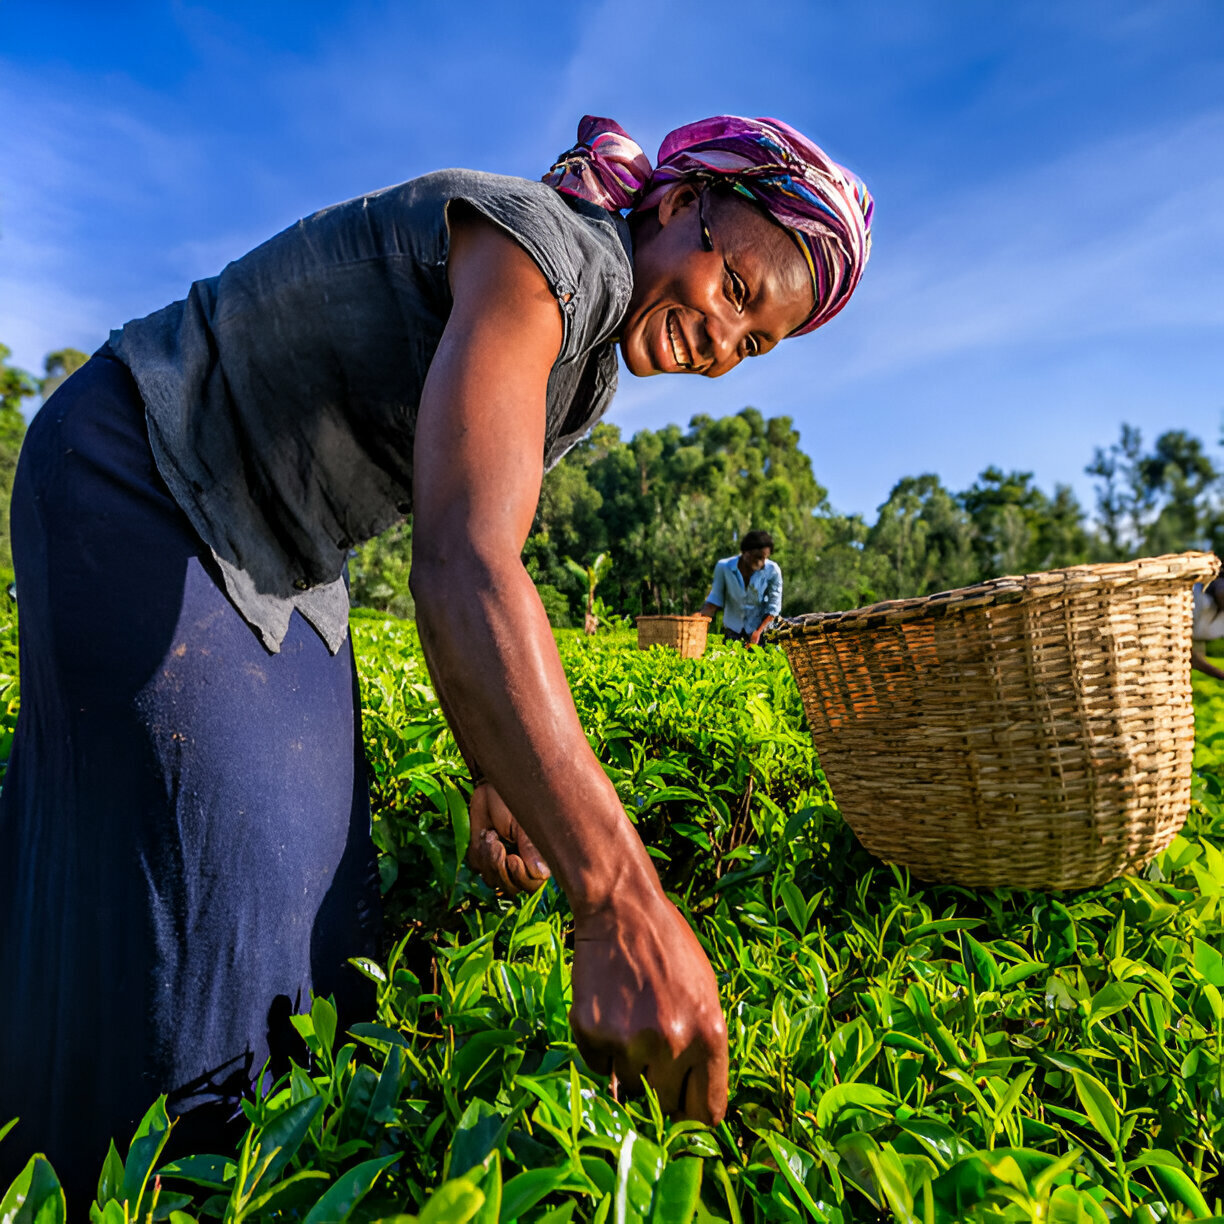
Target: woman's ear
{"type": "Point", "coordinates": [677, 199]}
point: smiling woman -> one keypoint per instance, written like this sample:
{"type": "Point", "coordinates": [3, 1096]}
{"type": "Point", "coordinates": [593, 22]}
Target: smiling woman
{"type": "Point", "coordinates": [702, 304]}
{"type": "Point", "coordinates": [184, 844]}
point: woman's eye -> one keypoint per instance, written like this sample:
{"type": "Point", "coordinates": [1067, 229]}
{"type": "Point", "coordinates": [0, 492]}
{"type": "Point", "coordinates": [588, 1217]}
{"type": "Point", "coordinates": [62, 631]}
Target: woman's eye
{"type": "Point", "coordinates": [751, 346]}
{"type": "Point", "coordinates": [737, 291]}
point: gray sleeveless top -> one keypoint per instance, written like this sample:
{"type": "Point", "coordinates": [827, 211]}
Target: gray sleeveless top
{"type": "Point", "coordinates": [282, 395]}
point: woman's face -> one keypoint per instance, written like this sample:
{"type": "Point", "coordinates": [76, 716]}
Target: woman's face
{"type": "Point", "coordinates": [714, 281]}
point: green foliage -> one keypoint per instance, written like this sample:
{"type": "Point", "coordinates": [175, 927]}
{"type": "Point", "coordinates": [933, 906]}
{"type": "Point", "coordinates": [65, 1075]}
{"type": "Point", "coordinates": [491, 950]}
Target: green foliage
{"type": "Point", "coordinates": [57, 366]}
{"type": "Point", "coordinates": [898, 1051]}
{"type": "Point", "coordinates": [379, 570]}
{"type": "Point", "coordinates": [16, 386]}
{"type": "Point", "coordinates": [666, 505]}
{"type": "Point", "coordinates": [556, 605]}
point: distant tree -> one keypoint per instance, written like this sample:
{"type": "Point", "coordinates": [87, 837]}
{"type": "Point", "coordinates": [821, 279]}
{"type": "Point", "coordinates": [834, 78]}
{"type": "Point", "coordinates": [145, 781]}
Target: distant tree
{"type": "Point", "coordinates": [591, 576]}
{"type": "Point", "coordinates": [1125, 500]}
{"type": "Point", "coordinates": [828, 566]}
{"type": "Point", "coordinates": [16, 386]}
{"type": "Point", "coordinates": [666, 504]}
{"type": "Point", "coordinates": [57, 366]}
{"type": "Point", "coordinates": [1179, 474]}
{"type": "Point", "coordinates": [1018, 529]}
{"type": "Point", "coordinates": [1062, 538]}
{"type": "Point", "coordinates": [925, 537]}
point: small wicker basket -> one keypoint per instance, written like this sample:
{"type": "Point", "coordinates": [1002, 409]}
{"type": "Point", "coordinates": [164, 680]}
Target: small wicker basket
{"type": "Point", "coordinates": [1034, 732]}
{"type": "Point", "coordinates": [687, 634]}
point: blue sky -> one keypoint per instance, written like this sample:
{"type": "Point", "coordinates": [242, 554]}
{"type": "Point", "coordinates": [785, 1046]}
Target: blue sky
{"type": "Point", "coordinates": [1049, 179]}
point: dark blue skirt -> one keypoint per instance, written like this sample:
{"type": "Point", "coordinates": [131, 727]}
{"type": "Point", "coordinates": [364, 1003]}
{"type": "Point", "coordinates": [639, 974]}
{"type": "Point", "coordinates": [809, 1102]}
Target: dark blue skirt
{"type": "Point", "coordinates": [184, 826]}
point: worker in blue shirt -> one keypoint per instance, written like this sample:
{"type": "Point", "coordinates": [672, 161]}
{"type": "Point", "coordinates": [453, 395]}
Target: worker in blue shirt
{"type": "Point", "coordinates": [748, 589]}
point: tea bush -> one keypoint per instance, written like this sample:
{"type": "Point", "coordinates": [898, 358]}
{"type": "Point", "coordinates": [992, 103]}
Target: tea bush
{"type": "Point", "coordinates": [899, 1051]}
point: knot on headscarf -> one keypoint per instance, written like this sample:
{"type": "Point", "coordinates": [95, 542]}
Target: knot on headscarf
{"type": "Point", "coordinates": [823, 206]}
{"type": "Point", "coordinates": [606, 167]}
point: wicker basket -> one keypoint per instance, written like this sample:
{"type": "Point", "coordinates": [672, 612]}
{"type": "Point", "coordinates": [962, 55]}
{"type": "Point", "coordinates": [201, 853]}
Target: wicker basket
{"type": "Point", "coordinates": [687, 634]}
{"type": "Point", "coordinates": [1034, 731]}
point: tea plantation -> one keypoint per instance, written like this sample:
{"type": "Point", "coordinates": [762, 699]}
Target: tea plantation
{"type": "Point", "coordinates": [898, 1051]}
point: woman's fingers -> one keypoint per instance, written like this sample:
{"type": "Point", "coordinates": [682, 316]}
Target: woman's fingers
{"type": "Point", "coordinates": [704, 1091]}
{"type": "Point", "coordinates": [521, 876]}
{"type": "Point", "coordinates": [511, 831]}
{"type": "Point", "coordinates": [498, 850]}
{"type": "Point", "coordinates": [534, 866]}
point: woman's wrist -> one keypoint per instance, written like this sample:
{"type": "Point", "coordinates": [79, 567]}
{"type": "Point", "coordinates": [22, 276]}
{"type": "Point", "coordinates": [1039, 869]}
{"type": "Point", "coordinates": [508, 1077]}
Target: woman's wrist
{"type": "Point", "coordinates": [622, 869]}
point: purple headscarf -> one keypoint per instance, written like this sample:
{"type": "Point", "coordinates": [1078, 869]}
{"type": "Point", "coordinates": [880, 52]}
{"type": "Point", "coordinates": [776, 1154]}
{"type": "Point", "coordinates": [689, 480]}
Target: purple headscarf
{"type": "Point", "coordinates": [822, 205]}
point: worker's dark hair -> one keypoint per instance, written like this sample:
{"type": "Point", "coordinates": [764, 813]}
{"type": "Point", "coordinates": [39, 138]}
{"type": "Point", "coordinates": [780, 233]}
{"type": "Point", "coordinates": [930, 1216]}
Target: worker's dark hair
{"type": "Point", "coordinates": [756, 539]}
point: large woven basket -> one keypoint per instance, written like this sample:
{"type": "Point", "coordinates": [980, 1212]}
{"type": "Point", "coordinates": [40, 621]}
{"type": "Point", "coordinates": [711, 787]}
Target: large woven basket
{"type": "Point", "coordinates": [687, 634]}
{"type": "Point", "coordinates": [1034, 731]}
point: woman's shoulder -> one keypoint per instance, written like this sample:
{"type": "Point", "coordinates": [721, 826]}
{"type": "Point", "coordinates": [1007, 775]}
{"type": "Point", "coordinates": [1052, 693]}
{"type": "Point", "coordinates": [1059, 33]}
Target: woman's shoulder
{"type": "Point", "coordinates": [588, 235]}
{"type": "Point", "coordinates": [582, 250]}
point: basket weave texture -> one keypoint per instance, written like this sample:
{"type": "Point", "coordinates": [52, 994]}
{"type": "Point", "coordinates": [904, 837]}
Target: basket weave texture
{"type": "Point", "coordinates": [687, 634]}
{"type": "Point", "coordinates": [1032, 731]}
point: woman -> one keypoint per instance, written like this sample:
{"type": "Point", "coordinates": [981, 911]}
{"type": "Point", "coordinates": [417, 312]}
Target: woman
{"type": "Point", "coordinates": [184, 849]}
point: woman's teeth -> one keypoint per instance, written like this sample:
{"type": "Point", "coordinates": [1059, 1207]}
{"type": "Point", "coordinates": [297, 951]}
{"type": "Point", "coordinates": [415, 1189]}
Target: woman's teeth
{"type": "Point", "coordinates": [680, 352]}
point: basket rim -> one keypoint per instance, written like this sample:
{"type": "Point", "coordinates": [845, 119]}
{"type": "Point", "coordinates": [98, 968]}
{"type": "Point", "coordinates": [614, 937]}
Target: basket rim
{"type": "Point", "coordinates": [668, 616]}
{"type": "Point", "coordinates": [1176, 568]}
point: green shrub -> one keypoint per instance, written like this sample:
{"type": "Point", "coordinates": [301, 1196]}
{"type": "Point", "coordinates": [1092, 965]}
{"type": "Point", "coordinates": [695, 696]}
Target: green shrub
{"type": "Point", "coordinates": [899, 1051]}
{"type": "Point", "coordinates": [556, 605]}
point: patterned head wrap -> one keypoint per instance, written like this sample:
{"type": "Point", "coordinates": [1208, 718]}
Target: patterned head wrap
{"type": "Point", "coordinates": [823, 206]}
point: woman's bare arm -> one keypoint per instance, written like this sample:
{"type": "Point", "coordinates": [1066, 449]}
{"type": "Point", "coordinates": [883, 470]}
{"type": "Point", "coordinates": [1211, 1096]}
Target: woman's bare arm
{"type": "Point", "coordinates": [645, 999]}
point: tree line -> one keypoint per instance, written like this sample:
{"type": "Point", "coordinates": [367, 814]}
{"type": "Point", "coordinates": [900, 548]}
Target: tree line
{"type": "Point", "coordinates": [648, 517]}
{"type": "Point", "coordinates": [666, 504]}
{"type": "Point", "coordinates": [16, 388]}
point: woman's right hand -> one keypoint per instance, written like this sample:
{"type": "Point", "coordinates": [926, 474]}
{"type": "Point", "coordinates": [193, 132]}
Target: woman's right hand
{"type": "Point", "coordinates": [646, 1004]}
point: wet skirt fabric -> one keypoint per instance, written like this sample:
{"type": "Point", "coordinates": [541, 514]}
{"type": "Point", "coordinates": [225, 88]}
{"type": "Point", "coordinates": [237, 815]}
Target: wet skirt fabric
{"type": "Point", "coordinates": [184, 826]}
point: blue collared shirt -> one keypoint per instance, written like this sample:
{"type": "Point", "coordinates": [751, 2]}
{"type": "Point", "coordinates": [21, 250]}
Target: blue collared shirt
{"type": "Point", "coordinates": [745, 606]}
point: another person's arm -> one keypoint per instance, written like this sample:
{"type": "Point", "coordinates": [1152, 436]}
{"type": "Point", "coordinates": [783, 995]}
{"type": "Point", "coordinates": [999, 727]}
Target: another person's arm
{"type": "Point", "coordinates": [1199, 662]}
{"type": "Point", "coordinates": [645, 997]}
{"type": "Point", "coordinates": [755, 637]}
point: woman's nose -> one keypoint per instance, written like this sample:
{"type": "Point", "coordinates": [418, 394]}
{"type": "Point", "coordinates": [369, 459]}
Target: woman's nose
{"type": "Point", "coordinates": [725, 337]}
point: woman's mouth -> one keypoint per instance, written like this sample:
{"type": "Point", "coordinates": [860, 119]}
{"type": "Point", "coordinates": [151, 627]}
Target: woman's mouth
{"type": "Point", "coordinates": [681, 353]}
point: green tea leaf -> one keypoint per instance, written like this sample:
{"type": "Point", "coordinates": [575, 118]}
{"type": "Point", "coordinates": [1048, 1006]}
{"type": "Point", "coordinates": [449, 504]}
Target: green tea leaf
{"type": "Point", "coordinates": [1173, 1180]}
{"type": "Point", "coordinates": [147, 1144]}
{"type": "Point", "coordinates": [336, 1205]}
{"type": "Point", "coordinates": [454, 1202]}
{"type": "Point", "coordinates": [794, 1166]}
{"type": "Point", "coordinates": [323, 1016]}
{"type": "Point", "coordinates": [1115, 997]}
{"type": "Point", "coordinates": [980, 963]}
{"type": "Point", "coordinates": [842, 1096]}
{"type": "Point", "coordinates": [676, 1195]}
{"type": "Point", "coordinates": [110, 1180]}
{"type": "Point", "coordinates": [35, 1196]}
{"type": "Point", "coordinates": [1100, 1107]}
{"type": "Point", "coordinates": [281, 1138]}
{"type": "Point", "coordinates": [525, 1190]}
{"type": "Point", "coordinates": [1056, 940]}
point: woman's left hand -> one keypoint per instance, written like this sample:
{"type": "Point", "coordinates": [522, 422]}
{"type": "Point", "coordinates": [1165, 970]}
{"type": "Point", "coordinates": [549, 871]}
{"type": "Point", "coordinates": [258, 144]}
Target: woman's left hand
{"type": "Point", "coordinates": [499, 851]}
